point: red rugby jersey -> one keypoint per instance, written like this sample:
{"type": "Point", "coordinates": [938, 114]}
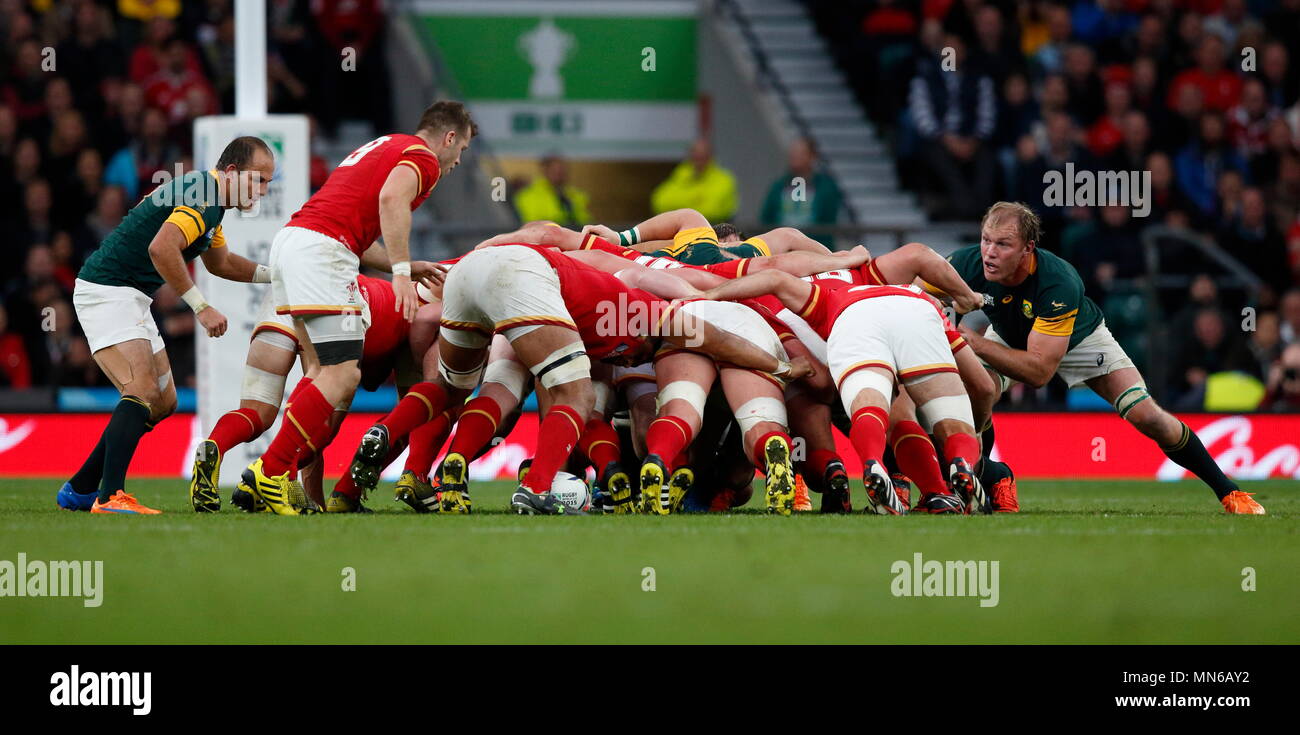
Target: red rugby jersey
{"type": "Point", "coordinates": [824, 305]}
{"type": "Point", "coordinates": [347, 207]}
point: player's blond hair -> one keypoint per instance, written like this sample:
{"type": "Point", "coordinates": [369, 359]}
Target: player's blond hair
{"type": "Point", "coordinates": [1029, 226]}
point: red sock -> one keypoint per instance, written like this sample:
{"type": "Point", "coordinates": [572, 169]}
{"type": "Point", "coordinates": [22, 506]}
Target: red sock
{"type": "Point", "coordinates": [667, 437]}
{"type": "Point", "coordinates": [427, 441]}
{"type": "Point", "coordinates": [235, 428]}
{"type": "Point", "coordinates": [345, 485]}
{"type": "Point", "coordinates": [819, 459]}
{"type": "Point", "coordinates": [760, 457]}
{"type": "Point", "coordinates": [868, 433]}
{"type": "Point", "coordinates": [962, 446]}
{"type": "Point", "coordinates": [307, 418]}
{"type": "Point", "coordinates": [556, 438]}
{"type": "Point", "coordinates": [916, 457]}
{"type": "Point", "coordinates": [600, 443]}
{"type": "Point", "coordinates": [420, 405]}
{"type": "Point", "coordinates": [478, 422]}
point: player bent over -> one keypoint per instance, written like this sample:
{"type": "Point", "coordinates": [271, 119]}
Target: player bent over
{"type": "Point", "coordinates": [176, 223]}
{"type": "Point", "coordinates": [1042, 325]}
{"type": "Point", "coordinates": [315, 261]}
{"type": "Point", "coordinates": [550, 308]}
{"type": "Point", "coordinates": [874, 333]}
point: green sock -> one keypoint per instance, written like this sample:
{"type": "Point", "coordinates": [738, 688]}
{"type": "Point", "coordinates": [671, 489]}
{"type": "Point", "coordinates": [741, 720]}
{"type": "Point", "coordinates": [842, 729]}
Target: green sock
{"type": "Point", "coordinates": [123, 433]}
{"type": "Point", "coordinates": [1190, 454]}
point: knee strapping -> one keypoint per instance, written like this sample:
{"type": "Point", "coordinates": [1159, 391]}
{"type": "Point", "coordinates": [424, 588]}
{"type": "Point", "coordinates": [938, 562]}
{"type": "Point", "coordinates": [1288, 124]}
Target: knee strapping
{"type": "Point", "coordinates": [508, 374]}
{"type": "Point", "coordinates": [684, 390]}
{"type": "Point", "coordinates": [955, 408]}
{"type": "Point", "coordinates": [565, 365]}
{"type": "Point", "coordinates": [261, 385]}
{"type": "Point", "coordinates": [760, 410]}
{"type": "Point", "coordinates": [862, 380]}
{"type": "Point", "coordinates": [463, 379]}
{"type": "Point", "coordinates": [1130, 398]}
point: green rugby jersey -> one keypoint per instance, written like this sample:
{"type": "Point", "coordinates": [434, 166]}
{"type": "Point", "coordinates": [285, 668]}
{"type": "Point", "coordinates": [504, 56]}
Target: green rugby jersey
{"type": "Point", "coordinates": [1050, 300]}
{"type": "Point", "coordinates": [189, 202]}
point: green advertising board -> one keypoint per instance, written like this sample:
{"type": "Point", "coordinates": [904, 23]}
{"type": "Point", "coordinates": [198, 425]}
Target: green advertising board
{"type": "Point", "coordinates": [590, 79]}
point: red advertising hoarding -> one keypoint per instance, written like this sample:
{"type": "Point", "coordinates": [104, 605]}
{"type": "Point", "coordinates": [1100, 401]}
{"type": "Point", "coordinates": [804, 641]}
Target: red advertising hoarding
{"type": "Point", "coordinates": [1037, 445]}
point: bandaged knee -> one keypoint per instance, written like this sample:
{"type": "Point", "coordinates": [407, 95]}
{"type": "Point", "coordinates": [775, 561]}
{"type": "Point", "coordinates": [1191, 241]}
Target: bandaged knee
{"type": "Point", "coordinates": [944, 408]}
{"type": "Point", "coordinates": [760, 410]}
{"type": "Point", "coordinates": [861, 380]}
{"type": "Point", "coordinates": [261, 385]}
{"type": "Point", "coordinates": [508, 374]}
{"type": "Point", "coordinates": [683, 390]}
{"type": "Point", "coordinates": [565, 365]}
{"type": "Point", "coordinates": [463, 379]}
{"type": "Point", "coordinates": [603, 394]}
{"type": "Point", "coordinates": [276, 339]}
{"type": "Point", "coordinates": [1130, 398]}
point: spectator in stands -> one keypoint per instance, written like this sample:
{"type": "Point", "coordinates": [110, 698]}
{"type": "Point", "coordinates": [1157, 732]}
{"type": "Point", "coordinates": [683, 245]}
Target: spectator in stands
{"type": "Point", "coordinates": [1264, 344]}
{"type": "Point", "coordinates": [698, 183]}
{"type": "Point", "coordinates": [15, 368]}
{"type": "Point", "coordinates": [172, 86]}
{"type": "Point", "coordinates": [1281, 82]}
{"type": "Point", "coordinates": [804, 195]}
{"type": "Point", "coordinates": [1111, 250]}
{"type": "Point", "coordinates": [353, 31]}
{"type": "Point", "coordinates": [1087, 100]}
{"type": "Point", "coordinates": [955, 112]}
{"type": "Point", "coordinates": [1050, 56]}
{"type": "Point", "coordinates": [1134, 145]}
{"type": "Point", "coordinates": [133, 167]}
{"type": "Point", "coordinates": [1284, 382]}
{"type": "Point", "coordinates": [995, 53]}
{"type": "Point", "coordinates": [551, 197]}
{"type": "Point", "coordinates": [1103, 24]}
{"type": "Point", "coordinates": [1107, 132]}
{"type": "Point", "coordinates": [110, 208]}
{"type": "Point", "coordinates": [1291, 316]}
{"type": "Point", "coordinates": [149, 9]}
{"type": "Point", "coordinates": [1249, 120]}
{"type": "Point", "coordinates": [1252, 237]}
{"type": "Point", "coordinates": [38, 222]}
{"type": "Point", "coordinates": [89, 56]}
{"type": "Point", "coordinates": [24, 92]}
{"type": "Point", "coordinates": [1199, 165]}
{"type": "Point", "coordinates": [1211, 349]}
{"type": "Point", "coordinates": [1220, 87]}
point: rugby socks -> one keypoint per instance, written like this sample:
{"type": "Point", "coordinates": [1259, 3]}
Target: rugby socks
{"type": "Point", "coordinates": [599, 443]}
{"type": "Point", "coordinates": [868, 433]}
{"type": "Point", "coordinates": [320, 439]}
{"type": "Point", "coordinates": [235, 428]}
{"type": "Point", "coordinates": [1190, 454]}
{"type": "Point", "coordinates": [427, 441]}
{"type": "Point", "coordinates": [667, 437]}
{"type": "Point", "coordinates": [86, 480]}
{"type": "Point", "coordinates": [306, 418]}
{"type": "Point", "coordinates": [420, 405]}
{"type": "Point", "coordinates": [121, 436]}
{"type": "Point", "coordinates": [818, 461]}
{"type": "Point", "coordinates": [556, 438]}
{"type": "Point", "coordinates": [477, 425]}
{"type": "Point", "coordinates": [962, 446]}
{"type": "Point", "coordinates": [916, 457]}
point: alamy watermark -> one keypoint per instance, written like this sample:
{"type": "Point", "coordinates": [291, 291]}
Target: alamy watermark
{"type": "Point", "coordinates": [966, 578]}
{"type": "Point", "coordinates": [1084, 188]}
{"type": "Point", "coordinates": [35, 578]}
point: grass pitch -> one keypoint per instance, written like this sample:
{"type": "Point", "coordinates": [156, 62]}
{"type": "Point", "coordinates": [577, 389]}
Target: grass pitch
{"type": "Point", "coordinates": [1085, 562]}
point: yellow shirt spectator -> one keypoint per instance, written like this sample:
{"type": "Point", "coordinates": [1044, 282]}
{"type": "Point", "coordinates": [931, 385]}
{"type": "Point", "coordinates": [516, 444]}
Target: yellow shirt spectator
{"type": "Point", "coordinates": [540, 200]}
{"type": "Point", "coordinates": [700, 184]}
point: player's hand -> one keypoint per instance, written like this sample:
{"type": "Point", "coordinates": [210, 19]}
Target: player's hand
{"type": "Point", "coordinates": [601, 231]}
{"type": "Point", "coordinates": [429, 273]}
{"type": "Point", "coordinates": [967, 304]}
{"type": "Point", "coordinates": [406, 302]}
{"type": "Point", "coordinates": [801, 367]}
{"type": "Point", "coordinates": [213, 321]}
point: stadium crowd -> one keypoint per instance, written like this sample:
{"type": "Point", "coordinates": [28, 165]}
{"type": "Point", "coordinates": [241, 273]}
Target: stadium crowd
{"type": "Point", "coordinates": [988, 96]}
{"type": "Point", "coordinates": [98, 95]}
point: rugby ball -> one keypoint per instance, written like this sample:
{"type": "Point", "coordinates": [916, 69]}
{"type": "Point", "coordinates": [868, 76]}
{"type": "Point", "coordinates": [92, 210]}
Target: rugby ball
{"type": "Point", "coordinates": [572, 491]}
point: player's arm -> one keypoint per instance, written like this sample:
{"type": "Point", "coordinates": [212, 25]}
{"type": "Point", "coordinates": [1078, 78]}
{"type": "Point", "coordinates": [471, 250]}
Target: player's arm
{"type": "Point", "coordinates": [165, 252]}
{"type": "Point", "coordinates": [427, 272]}
{"type": "Point", "coordinates": [222, 263]}
{"type": "Point", "coordinates": [804, 263]}
{"type": "Point", "coordinates": [1033, 366]}
{"type": "Point", "coordinates": [399, 190]}
{"type": "Point", "coordinates": [663, 226]}
{"type": "Point", "coordinates": [915, 260]}
{"type": "Point", "coordinates": [789, 239]}
{"type": "Point", "coordinates": [792, 292]}
{"type": "Point", "coordinates": [546, 234]}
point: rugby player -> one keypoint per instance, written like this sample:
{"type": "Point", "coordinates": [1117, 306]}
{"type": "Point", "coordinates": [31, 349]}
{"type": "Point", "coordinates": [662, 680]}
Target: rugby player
{"type": "Point", "coordinates": [1042, 324]}
{"type": "Point", "coordinates": [877, 336]}
{"type": "Point", "coordinates": [550, 307]}
{"type": "Point", "coordinates": [174, 224]}
{"type": "Point", "coordinates": [315, 260]}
